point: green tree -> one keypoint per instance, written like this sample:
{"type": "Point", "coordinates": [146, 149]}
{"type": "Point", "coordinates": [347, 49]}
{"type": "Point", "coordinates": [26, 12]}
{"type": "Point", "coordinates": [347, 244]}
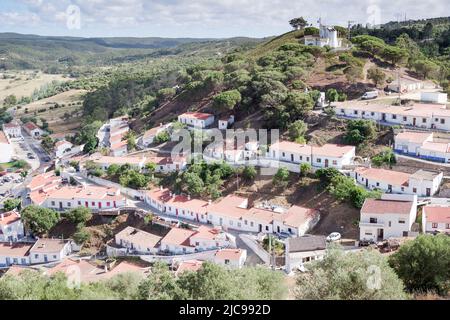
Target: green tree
{"type": "Point", "coordinates": [305, 169]}
{"type": "Point", "coordinates": [10, 101]}
{"type": "Point", "coordinates": [133, 179]}
{"type": "Point", "coordinates": [364, 275]}
{"type": "Point", "coordinates": [151, 167]}
{"type": "Point", "coordinates": [195, 184]}
{"type": "Point", "coordinates": [377, 76]}
{"type": "Point", "coordinates": [39, 220]}
{"type": "Point", "coordinates": [162, 137]}
{"type": "Point", "coordinates": [11, 204]}
{"type": "Point", "coordinates": [424, 264]}
{"type": "Point", "coordinates": [131, 140]}
{"type": "Point", "coordinates": [297, 129]}
{"type": "Point", "coordinates": [298, 23]}
{"type": "Point", "coordinates": [359, 131]}
{"type": "Point", "coordinates": [281, 178]}
{"type": "Point", "coordinates": [394, 55]}
{"type": "Point", "coordinates": [113, 170]}
{"type": "Point", "coordinates": [249, 173]}
{"type": "Point", "coordinates": [298, 104]}
{"type": "Point", "coordinates": [79, 215]}
{"type": "Point", "coordinates": [81, 236]}
{"type": "Point", "coordinates": [332, 95]}
{"type": "Point", "coordinates": [227, 100]}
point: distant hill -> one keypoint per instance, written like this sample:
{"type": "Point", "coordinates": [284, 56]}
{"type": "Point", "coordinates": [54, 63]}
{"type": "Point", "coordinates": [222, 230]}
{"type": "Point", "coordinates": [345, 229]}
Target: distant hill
{"type": "Point", "coordinates": [56, 54]}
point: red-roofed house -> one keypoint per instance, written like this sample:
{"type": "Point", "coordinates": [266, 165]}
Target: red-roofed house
{"type": "Point", "coordinates": [177, 241]}
{"type": "Point", "coordinates": [11, 227]}
{"type": "Point", "coordinates": [422, 145]}
{"type": "Point", "coordinates": [233, 258]}
{"type": "Point", "coordinates": [389, 217]}
{"type": "Point", "coordinates": [33, 130]}
{"type": "Point", "coordinates": [436, 219]}
{"type": "Point", "coordinates": [189, 265]}
{"type": "Point", "coordinates": [197, 120]}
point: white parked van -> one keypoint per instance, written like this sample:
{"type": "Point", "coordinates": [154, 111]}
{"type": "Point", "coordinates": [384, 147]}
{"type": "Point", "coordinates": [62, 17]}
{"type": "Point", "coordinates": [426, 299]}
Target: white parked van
{"type": "Point", "coordinates": [370, 95]}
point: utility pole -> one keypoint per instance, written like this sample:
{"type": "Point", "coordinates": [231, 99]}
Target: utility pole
{"type": "Point", "coordinates": [350, 23]}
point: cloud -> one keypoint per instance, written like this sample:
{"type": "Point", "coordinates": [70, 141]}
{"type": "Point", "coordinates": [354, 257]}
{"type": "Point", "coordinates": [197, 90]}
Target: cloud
{"type": "Point", "coordinates": [250, 17]}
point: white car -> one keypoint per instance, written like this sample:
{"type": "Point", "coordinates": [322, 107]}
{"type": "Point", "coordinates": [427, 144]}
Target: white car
{"type": "Point", "coordinates": [335, 236]}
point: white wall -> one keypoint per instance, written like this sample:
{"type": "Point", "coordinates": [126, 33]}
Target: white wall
{"type": "Point", "coordinates": [13, 231]}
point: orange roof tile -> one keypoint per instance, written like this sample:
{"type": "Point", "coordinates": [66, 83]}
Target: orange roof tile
{"type": "Point", "coordinates": [9, 217]}
{"type": "Point", "coordinates": [196, 115]}
{"type": "Point", "coordinates": [178, 236]}
{"type": "Point", "coordinates": [379, 206]}
{"type": "Point", "coordinates": [437, 214]}
{"type": "Point", "coordinates": [332, 150]}
{"type": "Point", "coordinates": [229, 254]}
{"type": "Point", "coordinates": [414, 137]}
{"type": "Point", "coordinates": [391, 177]}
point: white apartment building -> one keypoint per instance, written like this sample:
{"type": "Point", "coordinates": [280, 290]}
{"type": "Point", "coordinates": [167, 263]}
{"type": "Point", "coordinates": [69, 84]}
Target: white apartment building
{"type": "Point", "coordinates": [422, 183]}
{"type": "Point", "coordinates": [436, 219]}
{"type": "Point", "coordinates": [12, 130]}
{"type": "Point", "coordinates": [232, 258]}
{"type": "Point", "coordinates": [389, 217]}
{"type": "Point", "coordinates": [138, 241]}
{"type": "Point", "coordinates": [418, 115]}
{"type": "Point", "coordinates": [49, 250]}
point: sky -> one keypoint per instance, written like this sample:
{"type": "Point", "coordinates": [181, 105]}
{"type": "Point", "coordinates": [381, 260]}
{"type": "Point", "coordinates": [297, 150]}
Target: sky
{"type": "Point", "coordinates": [199, 18]}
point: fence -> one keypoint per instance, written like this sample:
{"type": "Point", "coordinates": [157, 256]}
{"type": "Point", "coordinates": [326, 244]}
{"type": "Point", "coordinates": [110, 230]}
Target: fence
{"type": "Point", "coordinates": [138, 194]}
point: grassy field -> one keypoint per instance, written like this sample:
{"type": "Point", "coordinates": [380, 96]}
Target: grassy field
{"type": "Point", "coordinates": [23, 83]}
{"type": "Point", "coordinates": [61, 111]}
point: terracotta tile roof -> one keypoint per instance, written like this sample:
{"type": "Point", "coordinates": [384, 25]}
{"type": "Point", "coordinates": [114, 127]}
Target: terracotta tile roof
{"type": "Point", "coordinates": [307, 243]}
{"type": "Point", "coordinates": [414, 137]}
{"type": "Point", "coordinates": [125, 267]}
{"type": "Point", "coordinates": [15, 250]}
{"type": "Point", "coordinates": [378, 206]}
{"type": "Point", "coordinates": [297, 216]}
{"type": "Point", "coordinates": [230, 206]}
{"type": "Point", "coordinates": [43, 180]}
{"type": "Point", "coordinates": [189, 265]}
{"type": "Point", "coordinates": [196, 115]}
{"type": "Point", "coordinates": [62, 143]}
{"type": "Point", "coordinates": [437, 214]}
{"type": "Point", "coordinates": [48, 246]}
{"type": "Point", "coordinates": [293, 147]}
{"type": "Point", "coordinates": [31, 126]}
{"type": "Point", "coordinates": [207, 233]}
{"type": "Point", "coordinates": [332, 150]}
{"type": "Point", "coordinates": [179, 237]}
{"type": "Point", "coordinates": [229, 254]}
{"type": "Point", "coordinates": [391, 177]}
{"type": "Point", "coordinates": [11, 125]}
{"type": "Point", "coordinates": [140, 237]}
{"type": "Point", "coordinates": [9, 218]}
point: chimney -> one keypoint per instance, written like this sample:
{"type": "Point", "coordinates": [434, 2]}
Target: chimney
{"type": "Point", "coordinates": [189, 197]}
{"type": "Point", "coordinates": [2, 216]}
{"type": "Point", "coordinates": [161, 188]}
{"type": "Point", "coordinates": [209, 202]}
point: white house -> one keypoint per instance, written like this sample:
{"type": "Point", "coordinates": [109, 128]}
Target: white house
{"type": "Point", "coordinates": [12, 130]}
{"type": "Point", "coordinates": [433, 97]}
{"type": "Point", "coordinates": [301, 250]}
{"type": "Point", "coordinates": [11, 227]}
{"type": "Point", "coordinates": [49, 250]}
{"type": "Point", "coordinates": [422, 183]}
{"type": "Point", "coordinates": [6, 148]}
{"type": "Point", "coordinates": [405, 84]}
{"type": "Point", "coordinates": [138, 241]}
{"type": "Point", "coordinates": [422, 145]}
{"type": "Point", "coordinates": [436, 219]}
{"type": "Point", "coordinates": [33, 130]}
{"type": "Point", "coordinates": [389, 217]}
{"type": "Point", "coordinates": [196, 120]}
{"type": "Point", "coordinates": [177, 241]}
{"type": "Point", "coordinates": [326, 156]}
{"type": "Point", "coordinates": [67, 197]}
{"type": "Point", "coordinates": [14, 254]}
{"type": "Point", "coordinates": [225, 122]}
{"type": "Point", "coordinates": [232, 258]}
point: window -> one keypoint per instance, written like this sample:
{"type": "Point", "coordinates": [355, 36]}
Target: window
{"type": "Point", "coordinates": [390, 223]}
{"type": "Point", "coordinates": [53, 203]}
{"type": "Point", "coordinates": [362, 179]}
{"type": "Point", "coordinates": [301, 157]}
{"type": "Point", "coordinates": [434, 225]}
{"type": "Point", "coordinates": [447, 226]}
{"type": "Point", "coordinates": [36, 256]}
{"type": "Point", "coordinates": [267, 228]}
{"type": "Point", "coordinates": [436, 120]}
{"type": "Point", "coordinates": [403, 188]}
{"type": "Point", "coordinates": [355, 112]}
{"type": "Point", "coordinates": [424, 120]}
{"type": "Point", "coordinates": [231, 223]}
{"type": "Point", "coordinates": [334, 162]}
{"type": "Point", "coordinates": [54, 256]}
{"type": "Point", "coordinates": [93, 204]}
{"type": "Point", "coordinates": [394, 116]}
{"type": "Point", "coordinates": [227, 261]}
{"type": "Point", "coordinates": [251, 224]}
{"type": "Point", "coordinates": [197, 243]}
{"type": "Point", "coordinates": [405, 119]}
{"type": "Point", "coordinates": [319, 160]}
{"type": "Point", "coordinates": [69, 204]}
{"type": "Point", "coordinates": [442, 121]}
{"type": "Point", "coordinates": [372, 114]}
{"type": "Point", "coordinates": [245, 222]}
{"type": "Point", "coordinates": [79, 203]}
{"type": "Point", "coordinates": [368, 233]}
{"type": "Point", "coordinates": [363, 113]}
{"type": "Point", "coordinates": [284, 154]}
{"type": "Point", "coordinates": [108, 204]}
{"type": "Point", "coordinates": [307, 159]}
{"type": "Point", "coordinates": [401, 221]}
{"type": "Point", "coordinates": [24, 261]}
{"type": "Point", "coordinates": [239, 224]}
{"type": "Point", "coordinates": [378, 184]}
{"type": "Point", "coordinates": [342, 111]}
{"type": "Point", "coordinates": [373, 220]}
{"type": "Point", "coordinates": [414, 190]}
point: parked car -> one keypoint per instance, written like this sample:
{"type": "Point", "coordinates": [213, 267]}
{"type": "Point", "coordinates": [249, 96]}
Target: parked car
{"type": "Point", "coordinates": [366, 243]}
{"type": "Point", "coordinates": [370, 95]}
{"type": "Point", "coordinates": [335, 236]}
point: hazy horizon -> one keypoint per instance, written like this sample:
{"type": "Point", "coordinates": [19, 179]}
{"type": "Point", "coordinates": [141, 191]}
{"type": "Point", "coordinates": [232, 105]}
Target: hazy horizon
{"type": "Point", "coordinates": [197, 19]}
